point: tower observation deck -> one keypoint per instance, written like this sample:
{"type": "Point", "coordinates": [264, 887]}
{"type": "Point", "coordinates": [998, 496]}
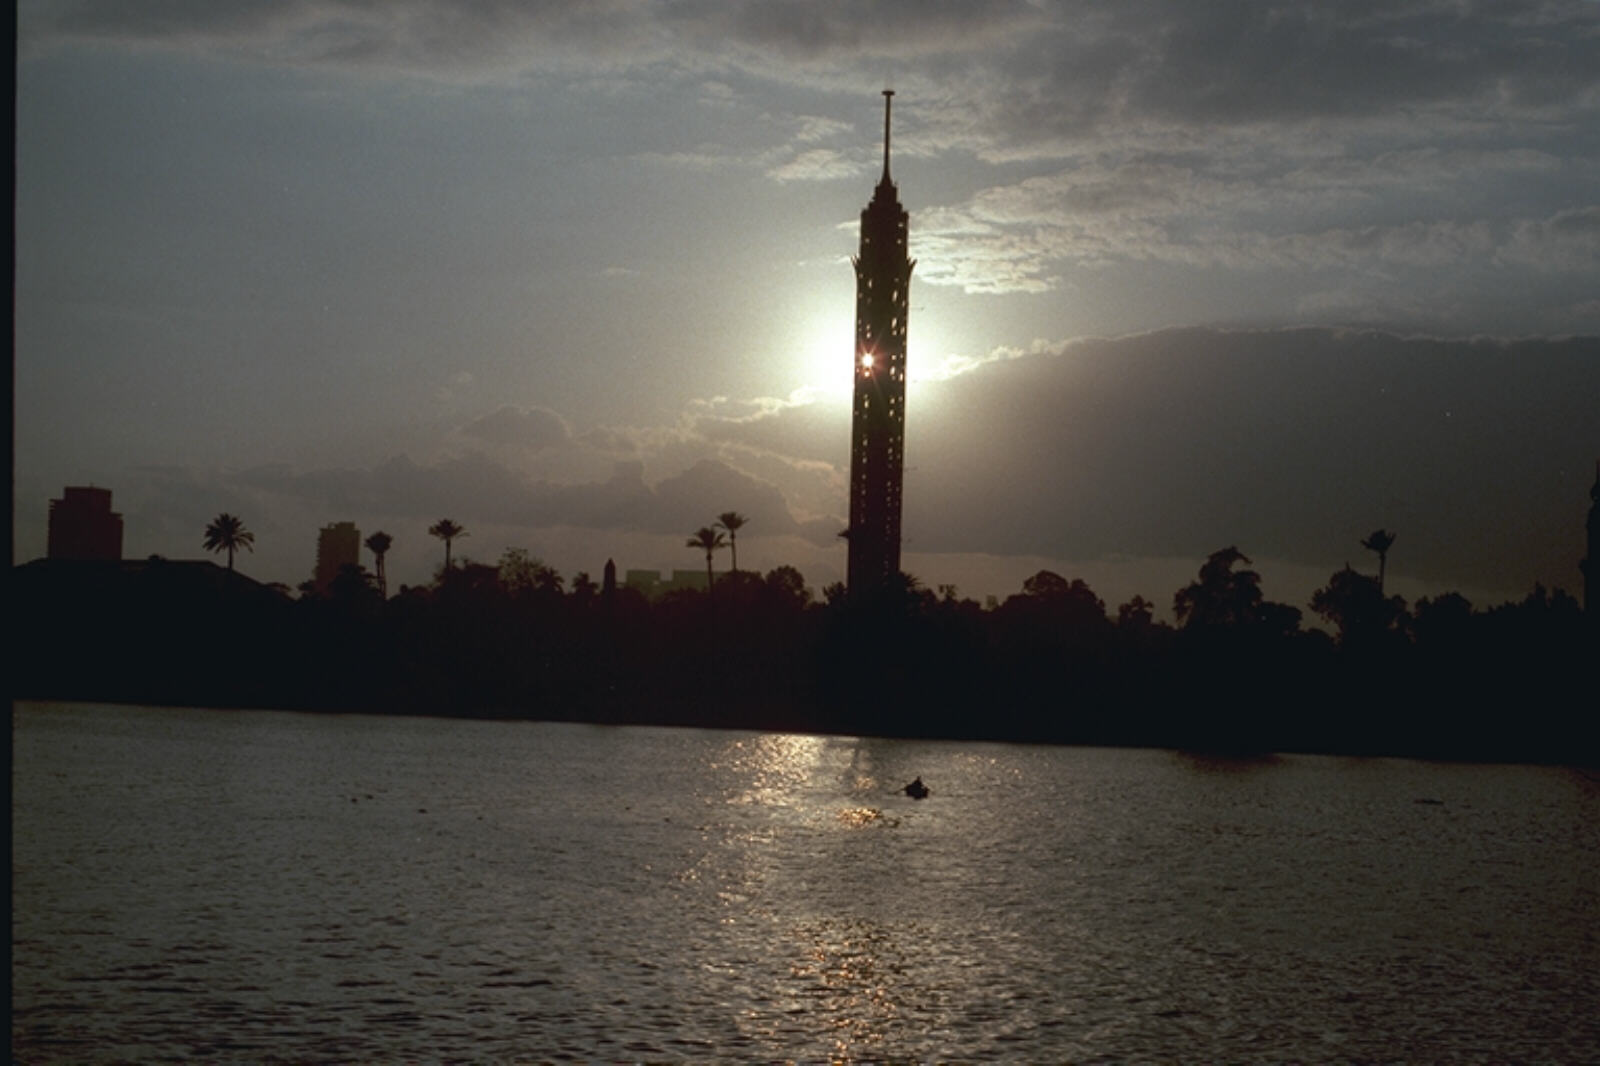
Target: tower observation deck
{"type": "Point", "coordinates": [878, 419]}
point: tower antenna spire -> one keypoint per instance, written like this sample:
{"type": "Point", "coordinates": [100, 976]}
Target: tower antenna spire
{"type": "Point", "coordinates": [888, 95]}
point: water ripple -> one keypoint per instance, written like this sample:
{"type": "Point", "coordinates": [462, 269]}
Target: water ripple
{"type": "Point", "coordinates": [267, 888]}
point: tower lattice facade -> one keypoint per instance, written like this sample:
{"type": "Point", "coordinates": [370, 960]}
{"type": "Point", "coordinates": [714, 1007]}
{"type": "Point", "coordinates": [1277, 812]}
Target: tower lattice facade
{"type": "Point", "coordinates": [878, 421]}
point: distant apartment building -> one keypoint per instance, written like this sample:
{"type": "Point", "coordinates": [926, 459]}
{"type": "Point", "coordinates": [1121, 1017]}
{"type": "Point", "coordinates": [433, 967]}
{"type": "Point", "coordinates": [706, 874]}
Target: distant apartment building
{"type": "Point", "coordinates": [338, 546]}
{"type": "Point", "coordinates": [83, 525]}
{"type": "Point", "coordinates": [653, 585]}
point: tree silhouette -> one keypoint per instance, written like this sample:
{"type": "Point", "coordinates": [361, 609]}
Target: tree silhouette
{"type": "Point", "coordinates": [446, 530]}
{"type": "Point", "coordinates": [903, 595]}
{"type": "Point", "coordinates": [1137, 615]}
{"type": "Point", "coordinates": [1442, 621]}
{"type": "Point", "coordinates": [788, 585]}
{"type": "Point", "coordinates": [1046, 585]}
{"type": "Point", "coordinates": [1051, 617]}
{"type": "Point", "coordinates": [227, 533]}
{"type": "Point", "coordinates": [707, 540]}
{"type": "Point", "coordinates": [1222, 596]}
{"type": "Point", "coordinates": [1380, 541]}
{"type": "Point", "coordinates": [379, 544]}
{"type": "Point", "coordinates": [1355, 603]}
{"type": "Point", "coordinates": [353, 588]}
{"type": "Point", "coordinates": [1062, 603]}
{"type": "Point", "coordinates": [732, 521]}
{"type": "Point", "coordinates": [523, 575]}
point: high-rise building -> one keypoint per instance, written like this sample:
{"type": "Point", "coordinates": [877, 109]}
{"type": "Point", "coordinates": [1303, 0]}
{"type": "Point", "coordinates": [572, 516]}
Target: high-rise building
{"type": "Point", "coordinates": [338, 546]}
{"type": "Point", "coordinates": [83, 525]}
{"type": "Point", "coordinates": [878, 420]}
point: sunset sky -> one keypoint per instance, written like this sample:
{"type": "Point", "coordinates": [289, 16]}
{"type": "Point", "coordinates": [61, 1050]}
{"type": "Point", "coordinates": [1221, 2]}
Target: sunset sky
{"type": "Point", "coordinates": [576, 275]}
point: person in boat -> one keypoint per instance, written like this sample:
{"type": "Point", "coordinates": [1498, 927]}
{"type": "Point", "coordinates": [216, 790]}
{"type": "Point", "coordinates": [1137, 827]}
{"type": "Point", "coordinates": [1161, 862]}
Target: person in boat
{"type": "Point", "coordinates": [917, 790]}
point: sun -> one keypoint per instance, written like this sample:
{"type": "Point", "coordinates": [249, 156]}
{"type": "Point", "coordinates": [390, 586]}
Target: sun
{"type": "Point", "coordinates": [826, 355]}
{"type": "Point", "coordinates": [824, 358]}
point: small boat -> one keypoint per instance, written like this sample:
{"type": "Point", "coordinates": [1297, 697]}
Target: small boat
{"type": "Point", "coordinates": [917, 790]}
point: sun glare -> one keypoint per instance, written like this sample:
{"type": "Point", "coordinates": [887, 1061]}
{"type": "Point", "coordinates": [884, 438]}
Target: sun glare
{"type": "Point", "coordinates": [826, 363]}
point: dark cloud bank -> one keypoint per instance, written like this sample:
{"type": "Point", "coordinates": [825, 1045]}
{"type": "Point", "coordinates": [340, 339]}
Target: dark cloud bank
{"type": "Point", "coordinates": [1066, 66]}
{"type": "Point", "coordinates": [1292, 444]}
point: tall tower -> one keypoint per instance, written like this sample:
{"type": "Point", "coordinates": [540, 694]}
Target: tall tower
{"type": "Point", "coordinates": [878, 422]}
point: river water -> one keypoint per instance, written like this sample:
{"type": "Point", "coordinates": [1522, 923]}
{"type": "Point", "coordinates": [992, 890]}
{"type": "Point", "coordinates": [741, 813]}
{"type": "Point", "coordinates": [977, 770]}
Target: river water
{"type": "Point", "coordinates": [274, 887]}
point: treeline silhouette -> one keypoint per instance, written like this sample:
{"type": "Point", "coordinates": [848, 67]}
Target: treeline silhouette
{"type": "Point", "coordinates": [1237, 674]}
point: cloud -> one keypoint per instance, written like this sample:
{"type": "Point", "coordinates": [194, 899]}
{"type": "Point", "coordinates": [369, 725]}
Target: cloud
{"type": "Point", "coordinates": [1428, 168]}
{"type": "Point", "coordinates": [1029, 74]}
{"type": "Point", "coordinates": [818, 164]}
{"type": "Point", "coordinates": [1409, 165]}
{"type": "Point", "coordinates": [1148, 68]}
{"type": "Point", "coordinates": [1254, 215]}
{"type": "Point", "coordinates": [1291, 443]}
{"type": "Point", "coordinates": [532, 428]}
{"type": "Point", "coordinates": [1567, 240]}
{"type": "Point", "coordinates": [695, 497]}
{"type": "Point", "coordinates": [801, 430]}
{"type": "Point", "coordinates": [1357, 137]}
{"type": "Point", "coordinates": [703, 159]}
{"type": "Point", "coordinates": [450, 391]}
{"type": "Point", "coordinates": [495, 37]}
{"type": "Point", "coordinates": [814, 128]}
{"type": "Point", "coordinates": [475, 488]}
{"type": "Point", "coordinates": [427, 37]}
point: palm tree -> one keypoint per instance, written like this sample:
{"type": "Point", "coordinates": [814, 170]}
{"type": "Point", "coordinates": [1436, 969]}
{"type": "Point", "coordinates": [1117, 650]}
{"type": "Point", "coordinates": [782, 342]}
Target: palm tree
{"type": "Point", "coordinates": [379, 544]}
{"type": "Point", "coordinates": [446, 530]}
{"type": "Point", "coordinates": [227, 533]}
{"type": "Point", "coordinates": [1380, 541]}
{"type": "Point", "coordinates": [708, 540]}
{"type": "Point", "coordinates": [732, 521]}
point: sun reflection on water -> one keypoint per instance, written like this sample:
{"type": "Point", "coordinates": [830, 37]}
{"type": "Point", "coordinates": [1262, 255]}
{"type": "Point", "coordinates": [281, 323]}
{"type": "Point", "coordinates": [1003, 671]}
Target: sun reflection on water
{"type": "Point", "coordinates": [776, 769]}
{"type": "Point", "coordinates": [853, 973]}
{"type": "Point", "coordinates": [858, 817]}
